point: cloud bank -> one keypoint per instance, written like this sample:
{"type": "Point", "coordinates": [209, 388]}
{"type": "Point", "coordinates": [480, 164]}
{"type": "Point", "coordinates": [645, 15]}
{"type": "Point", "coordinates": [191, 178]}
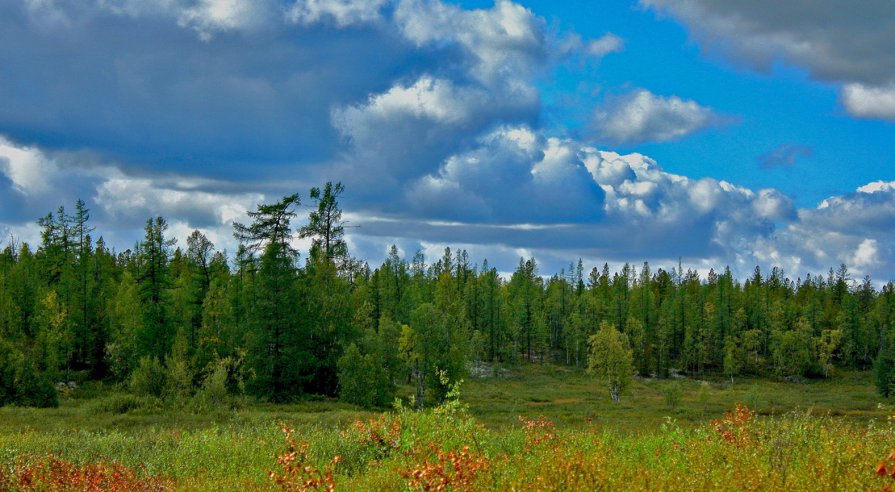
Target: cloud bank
{"type": "Point", "coordinates": [430, 113]}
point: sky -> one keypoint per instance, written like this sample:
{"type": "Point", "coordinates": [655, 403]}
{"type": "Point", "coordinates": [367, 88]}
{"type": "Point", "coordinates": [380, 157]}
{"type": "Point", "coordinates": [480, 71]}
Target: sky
{"type": "Point", "coordinates": [741, 134]}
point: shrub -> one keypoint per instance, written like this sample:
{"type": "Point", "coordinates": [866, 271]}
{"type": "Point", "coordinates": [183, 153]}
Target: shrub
{"type": "Point", "coordinates": [297, 472]}
{"type": "Point", "coordinates": [178, 380]}
{"type": "Point", "coordinates": [446, 470]}
{"type": "Point", "coordinates": [214, 392]}
{"type": "Point", "coordinates": [672, 394]}
{"type": "Point", "coordinates": [34, 389]}
{"type": "Point", "coordinates": [734, 426]}
{"type": "Point", "coordinates": [121, 403]}
{"type": "Point", "coordinates": [362, 380]}
{"type": "Point", "coordinates": [149, 378]}
{"type": "Point", "coordinates": [10, 362]}
{"type": "Point", "coordinates": [31, 473]}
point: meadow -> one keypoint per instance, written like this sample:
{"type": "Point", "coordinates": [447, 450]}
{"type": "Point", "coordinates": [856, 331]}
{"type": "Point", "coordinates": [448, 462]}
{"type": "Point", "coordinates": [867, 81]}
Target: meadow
{"type": "Point", "coordinates": [532, 428]}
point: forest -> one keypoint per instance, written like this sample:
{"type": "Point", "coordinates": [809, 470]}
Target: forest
{"type": "Point", "coordinates": [169, 319]}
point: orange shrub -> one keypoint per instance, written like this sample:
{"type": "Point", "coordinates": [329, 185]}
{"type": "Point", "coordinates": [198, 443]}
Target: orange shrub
{"type": "Point", "coordinates": [538, 431]}
{"type": "Point", "coordinates": [734, 426]}
{"type": "Point", "coordinates": [451, 470]}
{"type": "Point", "coordinates": [298, 474]}
{"type": "Point", "coordinates": [382, 433]}
{"type": "Point", "coordinates": [49, 472]}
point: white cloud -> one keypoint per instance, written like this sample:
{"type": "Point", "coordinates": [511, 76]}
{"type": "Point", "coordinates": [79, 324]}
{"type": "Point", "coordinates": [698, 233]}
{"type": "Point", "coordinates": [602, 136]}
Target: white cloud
{"type": "Point", "coordinates": [869, 101]}
{"type": "Point", "coordinates": [608, 43]}
{"type": "Point", "coordinates": [210, 16]}
{"type": "Point", "coordinates": [773, 205]}
{"type": "Point", "coordinates": [514, 175]}
{"type": "Point", "coordinates": [866, 254]}
{"type": "Point", "coordinates": [516, 191]}
{"type": "Point", "coordinates": [342, 12]}
{"type": "Point", "coordinates": [504, 44]}
{"type": "Point", "coordinates": [435, 99]}
{"type": "Point", "coordinates": [26, 167]}
{"type": "Point", "coordinates": [133, 198]}
{"type": "Point", "coordinates": [877, 187]}
{"type": "Point", "coordinates": [642, 116]}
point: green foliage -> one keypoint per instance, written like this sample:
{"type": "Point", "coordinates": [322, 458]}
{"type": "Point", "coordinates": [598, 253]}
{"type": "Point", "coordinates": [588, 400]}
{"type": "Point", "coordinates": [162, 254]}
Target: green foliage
{"type": "Point", "coordinates": [672, 394]}
{"type": "Point", "coordinates": [54, 340]}
{"type": "Point", "coordinates": [21, 383]}
{"type": "Point", "coordinates": [178, 379]}
{"type": "Point", "coordinates": [35, 389]}
{"type": "Point", "coordinates": [156, 334]}
{"type": "Point", "coordinates": [753, 396]}
{"type": "Point", "coordinates": [363, 380]}
{"type": "Point", "coordinates": [11, 361]}
{"type": "Point", "coordinates": [610, 359]}
{"type": "Point", "coordinates": [126, 321]}
{"type": "Point", "coordinates": [733, 357]}
{"type": "Point", "coordinates": [430, 345]}
{"type": "Point", "coordinates": [884, 372]}
{"type": "Point", "coordinates": [122, 403]}
{"type": "Point", "coordinates": [792, 351]}
{"type": "Point", "coordinates": [325, 224]}
{"type": "Point", "coordinates": [149, 378]}
{"type": "Point", "coordinates": [78, 310]}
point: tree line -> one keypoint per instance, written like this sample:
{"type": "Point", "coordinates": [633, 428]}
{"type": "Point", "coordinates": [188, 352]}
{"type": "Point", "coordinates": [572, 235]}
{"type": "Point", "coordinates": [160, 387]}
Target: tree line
{"type": "Point", "coordinates": [165, 319]}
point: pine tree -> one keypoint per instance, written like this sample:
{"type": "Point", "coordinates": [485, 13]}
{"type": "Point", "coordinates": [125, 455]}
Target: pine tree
{"type": "Point", "coordinates": [154, 281]}
{"type": "Point", "coordinates": [278, 353]}
{"type": "Point", "coordinates": [325, 226]}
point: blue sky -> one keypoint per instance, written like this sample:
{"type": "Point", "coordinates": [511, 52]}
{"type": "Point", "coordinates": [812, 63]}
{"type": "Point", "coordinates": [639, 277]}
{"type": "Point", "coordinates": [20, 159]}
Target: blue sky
{"type": "Point", "coordinates": [735, 133]}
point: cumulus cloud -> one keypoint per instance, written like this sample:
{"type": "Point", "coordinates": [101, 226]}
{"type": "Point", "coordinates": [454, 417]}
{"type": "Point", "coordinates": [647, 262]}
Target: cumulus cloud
{"type": "Point", "coordinates": [405, 132]}
{"type": "Point", "coordinates": [166, 98]}
{"type": "Point", "coordinates": [514, 176]}
{"type": "Point", "coordinates": [520, 189]}
{"type": "Point", "coordinates": [515, 192]}
{"type": "Point", "coordinates": [38, 182]}
{"type": "Point", "coordinates": [869, 101]}
{"type": "Point", "coordinates": [854, 229]}
{"type": "Point", "coordinates": [427, 98]}
{"type": "Point", "coordinates": [503, 44]}
{"type": "Point", "coordinates": [642, 116]}
{"type": "Point", "coordinates": [600, 47]}
{"type": "Point", "coordinates": [210, 16]}
{"type": "Point", "coordinates": [341, 12]}
{"type": "Point", "coordinates": [25, 168]}
{"type": "Point", "coordinates": [785, 155]}
{"type": "Point", "coordinates": [486, 78]}
{"type": "Point", "coordinates": [429, 112]}
{"type": "Point", "coordinates": [133, 198]}
{"type": "Point", "coordinates": [833, 40]}
{"type": "Point", "coordinates": [205, 17]}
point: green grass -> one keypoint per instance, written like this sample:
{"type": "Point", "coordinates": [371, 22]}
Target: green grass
{"type": "Point", "coordinates": [572, 398]}
{"type": "Point", "coordinates": [235, 449]}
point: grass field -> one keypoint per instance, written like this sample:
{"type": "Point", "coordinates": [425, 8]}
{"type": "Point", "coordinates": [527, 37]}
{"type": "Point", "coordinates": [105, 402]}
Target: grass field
{"type": "Point", "coordinates": [805, 436]}
{"type": "Point", "coordinates": [570, 398]}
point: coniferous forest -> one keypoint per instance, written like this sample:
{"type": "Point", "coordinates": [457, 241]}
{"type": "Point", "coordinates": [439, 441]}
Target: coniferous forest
{"type": "Point", "coordinates": [176, 316]}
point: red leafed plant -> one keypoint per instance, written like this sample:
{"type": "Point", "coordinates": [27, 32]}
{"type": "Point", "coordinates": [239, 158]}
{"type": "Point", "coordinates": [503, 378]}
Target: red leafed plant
{"type": "Point", "coordinates": [382, 433]}
{"type": "Point", "coordinates": [446, 470]}
{"type": "Point", "coordinates": [538, 431]}
{"type": "Point", "coordinates": [32, 473]}
{"type": "Point", "coordinates": [298, 473]}
{"type": "Point", "coordinates": [886, 470]}
{"type": "Point", "coordinates": [734, 426]}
